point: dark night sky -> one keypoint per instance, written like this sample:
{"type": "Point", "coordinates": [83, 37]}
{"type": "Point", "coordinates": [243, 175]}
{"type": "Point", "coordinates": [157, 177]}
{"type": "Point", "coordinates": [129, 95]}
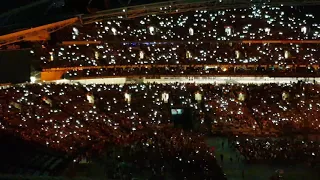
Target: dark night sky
{"type": "Point", "coordinates": [80, 5]}
{"type": "Point", "coordinates": [52, 11]}
{"type": "Point", "coordinates": [6, 5]}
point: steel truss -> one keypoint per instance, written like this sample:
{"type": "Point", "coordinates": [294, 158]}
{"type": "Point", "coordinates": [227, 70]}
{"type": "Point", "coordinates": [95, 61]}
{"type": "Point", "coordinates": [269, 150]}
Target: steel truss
{"type": "Point", "coordinates": [40, 33]}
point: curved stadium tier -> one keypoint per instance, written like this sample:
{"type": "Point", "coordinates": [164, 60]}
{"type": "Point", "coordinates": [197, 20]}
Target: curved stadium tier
{"type": "Point", "coordinates": [115, 95]}
{"type": "Point", "coordinates": [261, 40]}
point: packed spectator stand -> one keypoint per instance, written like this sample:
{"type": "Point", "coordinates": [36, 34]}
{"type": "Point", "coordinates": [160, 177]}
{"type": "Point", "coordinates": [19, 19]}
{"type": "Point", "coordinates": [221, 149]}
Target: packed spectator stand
{"type": "Point", "coordinates": [278, 150]}
{"type": "Point", "coordinates": [75, 117]}
{"type": "Point", "coordinates": [134, 120]}
{"type": "Point", "coordinates": [218, 42]}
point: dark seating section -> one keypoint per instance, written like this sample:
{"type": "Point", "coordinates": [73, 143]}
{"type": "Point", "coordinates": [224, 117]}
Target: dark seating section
{"type": "Point", "coordinates": [25, 158]}
{"type": "Point", "coordinates": [19, 177]}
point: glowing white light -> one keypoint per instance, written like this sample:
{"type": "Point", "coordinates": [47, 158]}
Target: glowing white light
{"type": "Point", "coordinates": [228, 30]}
{"type": "Point", "coordinates": [96, 55]}
{"type": "Point", "coordinates": [285, 96]}
{"type": "Point", "coordinates": [165, 97]}
{"type": "Point", "coordinates": [51, 56]}
{"type": "Point", "coordinates": [114, 31]}
{"type": "Point", "coordinates": [152, 30]}
{"type": "Point", "coordinates": [241, 96]}
{"type": "Point", "coordinates": [90, 98]}
{"type": "Point", "coordinates": [33, 79]}
{"type": "Point", "coordinates": [191, 31]}
{"type": "Point", "coordinates": [304, 30]}
{"type": "Point", "coordinates": [286, 54]}
{"type": "Point", "coordinates": [127, 98]}
{"type": "Point", "coordinates": [188, 55]}
{"type": "Point", "coordinates": [75, 31]}
{"type": "Point", "coordinates": [237, 54]}
{"type": "Point", "coordinates": [267, 30]}
{"type": "Point", "coordinates": [198, 97]}
{"type": "Point", "coordinates": [141, 55]}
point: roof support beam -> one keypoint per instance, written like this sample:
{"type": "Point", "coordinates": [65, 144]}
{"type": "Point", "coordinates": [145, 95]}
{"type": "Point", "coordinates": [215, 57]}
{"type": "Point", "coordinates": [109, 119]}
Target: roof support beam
{"type": "Point", "coordinates": [36, 34]}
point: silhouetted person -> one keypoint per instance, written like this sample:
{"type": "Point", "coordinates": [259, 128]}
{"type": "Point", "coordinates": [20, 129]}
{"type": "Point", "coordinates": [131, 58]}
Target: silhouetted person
{"type": "Point", "coordinates": [221, 157]}
{"type": "Point", "coordinates": [222, 144]}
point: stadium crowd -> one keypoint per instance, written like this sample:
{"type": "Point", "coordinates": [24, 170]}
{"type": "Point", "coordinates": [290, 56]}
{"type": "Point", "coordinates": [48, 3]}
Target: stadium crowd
{"type": "Point", "coordinates": [197, 38]}
{"type": "Point", "coordinates": [74, 117]}
{"type": "Point", "coordinates": [136, 118]}
{"type": "Point", "coordinates": [173, 54]}
{"type": "Point", "coordinates": [278, 151]}
{"type": "Point", "coordinates": [165, 154]}
{"type": "Point", "coordinates": [256, 22]}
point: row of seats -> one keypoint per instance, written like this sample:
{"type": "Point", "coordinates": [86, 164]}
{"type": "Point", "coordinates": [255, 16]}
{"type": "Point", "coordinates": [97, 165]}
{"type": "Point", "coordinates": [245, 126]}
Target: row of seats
{"type": "Point", "coordinates": [180, 54]}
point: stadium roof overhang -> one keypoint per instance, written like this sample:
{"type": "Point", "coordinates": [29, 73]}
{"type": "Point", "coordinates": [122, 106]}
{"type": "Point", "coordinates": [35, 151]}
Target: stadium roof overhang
{"type": "Point", "coordinates": [41, 33]}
